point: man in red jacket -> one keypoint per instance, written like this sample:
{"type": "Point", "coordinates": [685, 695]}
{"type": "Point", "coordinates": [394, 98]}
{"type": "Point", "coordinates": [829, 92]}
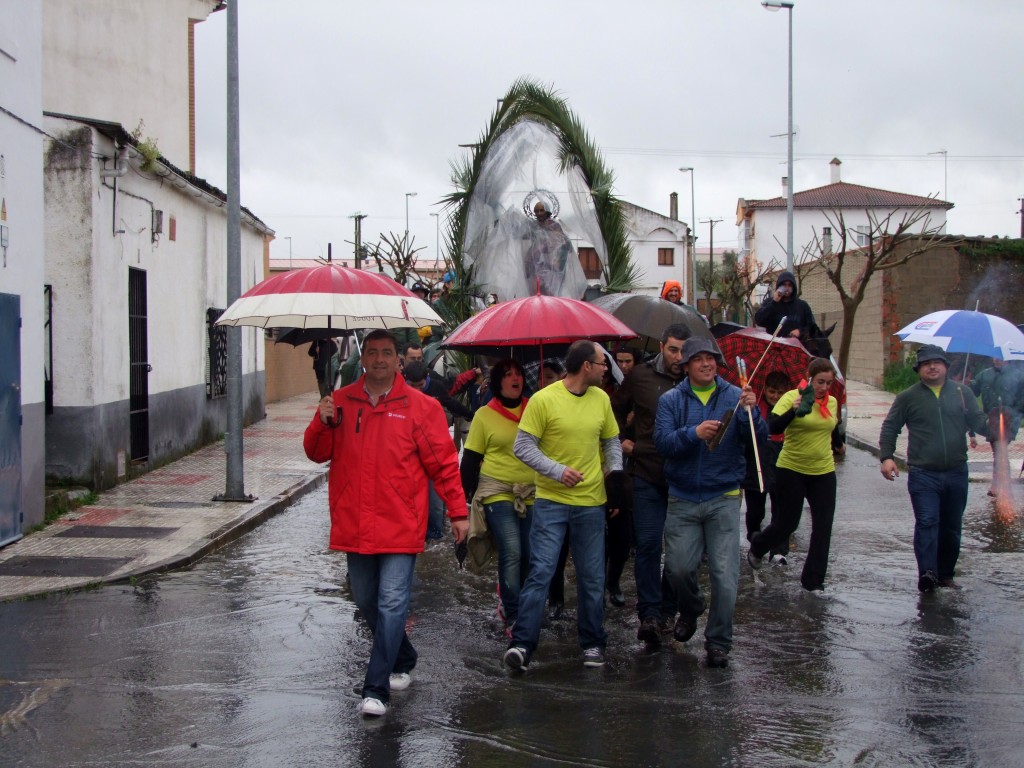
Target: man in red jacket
{"type": "Point", "coordinates": [384, 440]}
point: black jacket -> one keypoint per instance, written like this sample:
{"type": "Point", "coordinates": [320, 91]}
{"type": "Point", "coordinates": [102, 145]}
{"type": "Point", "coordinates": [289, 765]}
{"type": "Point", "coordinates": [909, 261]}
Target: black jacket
{"type": "Point", "coordinates": [796, 312]}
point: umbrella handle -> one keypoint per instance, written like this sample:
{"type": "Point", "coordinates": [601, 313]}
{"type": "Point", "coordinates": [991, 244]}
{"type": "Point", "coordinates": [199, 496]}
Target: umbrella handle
{"type": "Point", "coordinates": [765, 353]}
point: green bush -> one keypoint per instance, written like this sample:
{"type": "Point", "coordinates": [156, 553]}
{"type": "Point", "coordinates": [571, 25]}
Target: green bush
{"type": "Point", "coordinates": [898, 376]}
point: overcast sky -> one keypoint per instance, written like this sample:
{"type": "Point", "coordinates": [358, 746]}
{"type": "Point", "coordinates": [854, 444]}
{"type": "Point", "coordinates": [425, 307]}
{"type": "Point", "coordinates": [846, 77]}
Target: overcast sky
{"type": "Point", "coordinates": [346, 106]}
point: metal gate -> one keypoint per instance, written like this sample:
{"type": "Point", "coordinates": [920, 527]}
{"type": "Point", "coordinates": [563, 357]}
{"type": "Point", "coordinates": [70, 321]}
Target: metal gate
{"type": "Point", "coordinates": [138, 362]}
{"type": "Point", "coordinates": [10, 418]}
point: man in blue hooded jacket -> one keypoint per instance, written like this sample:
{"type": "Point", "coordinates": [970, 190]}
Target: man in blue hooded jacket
{"type": "Point", "coordinates": [704, 488]}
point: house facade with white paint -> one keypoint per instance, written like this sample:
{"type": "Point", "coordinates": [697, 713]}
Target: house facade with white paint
{"type": "Point", "coordinates": [22, 420]}
{"type": "Point", "coordinates": [660, 247]}
{"type": "Point", "coordinates": [761, 224]}
{"type": "Point", "coordinates": [136, 246]}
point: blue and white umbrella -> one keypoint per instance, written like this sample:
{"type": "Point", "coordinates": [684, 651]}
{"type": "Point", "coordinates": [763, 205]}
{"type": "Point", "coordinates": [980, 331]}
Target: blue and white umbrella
{"type": "Point", "coordinates": [963, 330]}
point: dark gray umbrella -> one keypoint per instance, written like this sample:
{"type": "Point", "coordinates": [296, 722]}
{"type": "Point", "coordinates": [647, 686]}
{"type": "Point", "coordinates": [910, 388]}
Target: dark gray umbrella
{"type": "Point", "coordinates": [299, 336]}
{"type": "Point", "coordinates": [649, 316]}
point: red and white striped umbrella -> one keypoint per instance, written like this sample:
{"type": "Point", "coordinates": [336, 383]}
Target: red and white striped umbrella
{"type": "Point", "coordinates": [330, 296]}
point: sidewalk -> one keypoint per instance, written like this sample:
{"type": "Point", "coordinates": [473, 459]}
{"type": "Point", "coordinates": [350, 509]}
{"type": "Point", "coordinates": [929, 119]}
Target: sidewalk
{"type": "Point", "coordinates": [166, 519]}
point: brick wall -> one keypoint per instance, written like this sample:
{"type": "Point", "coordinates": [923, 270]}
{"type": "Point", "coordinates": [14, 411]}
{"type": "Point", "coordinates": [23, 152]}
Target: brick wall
{"type": "Point", "coordinates": [289, 372]}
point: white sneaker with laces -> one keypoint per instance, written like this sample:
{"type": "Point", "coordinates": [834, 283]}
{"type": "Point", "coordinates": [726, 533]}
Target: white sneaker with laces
{"type": "Point", "coordinates": [779, 560]}
{"type": "Point", "coordinates": [372, 707]}
{"type": "Point", "coordinates": [399, 681]}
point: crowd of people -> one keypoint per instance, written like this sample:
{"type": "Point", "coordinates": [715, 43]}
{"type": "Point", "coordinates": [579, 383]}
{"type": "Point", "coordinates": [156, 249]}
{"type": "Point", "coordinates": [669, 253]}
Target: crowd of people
{"type": "Point", "coordinates": [658, 464]}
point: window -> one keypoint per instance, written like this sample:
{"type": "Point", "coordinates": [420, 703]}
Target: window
{"type": "Point", "coordinates": [862, 234]}
{"type": "Point", "coordinates": [826, 240]}
{"type": "Point", "coordinates": [666, 257]}
{"type": "Point", "coordinates": [591, 263]}
{"type": "Point", "coordinates": [216, 355]}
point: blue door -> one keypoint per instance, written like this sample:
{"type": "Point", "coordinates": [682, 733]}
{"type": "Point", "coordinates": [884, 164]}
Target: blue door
{"type": "Point", "coordinates": [10, 418]}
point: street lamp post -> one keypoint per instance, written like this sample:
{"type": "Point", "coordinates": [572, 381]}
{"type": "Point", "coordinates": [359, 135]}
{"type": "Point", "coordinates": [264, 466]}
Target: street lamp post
{"type": "Point", "coordinates": [407, 196]}
{"type": "Point", "coordinates": [693, 238]}
{"type": "Point", "coordinates": [774, 5]}
{"type": "Point", "coordinates": [437, 238]}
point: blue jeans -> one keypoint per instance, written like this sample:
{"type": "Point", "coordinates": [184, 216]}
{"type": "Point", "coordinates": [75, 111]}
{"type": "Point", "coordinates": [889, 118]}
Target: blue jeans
{"type": "Point", "coordinates": [654, 595]}
{"type": "Point", "coordinates": [938, 498]}
{"type": "Point", "coordinates": [380, 586]}
{"type": "Point", "coordinates": [584, 526]}
{"type": "Point", "coordinates": [512, 535]}
{"type": "Point", "coordinates": [435, 515]}
{"type": "Point", "coordinates": [690, 527]}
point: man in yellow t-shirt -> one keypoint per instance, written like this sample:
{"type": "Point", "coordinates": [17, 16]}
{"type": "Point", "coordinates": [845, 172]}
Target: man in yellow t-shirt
{"type": "Point", "coordinates": [566, 430]}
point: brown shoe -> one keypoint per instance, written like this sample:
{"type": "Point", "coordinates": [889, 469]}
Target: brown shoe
{"type": "Point", "coordinates": [684, 628]}
{"type": "Point", "coordinates": [717, 658]}
{"type": "Point", "coordinates": [948, 583]}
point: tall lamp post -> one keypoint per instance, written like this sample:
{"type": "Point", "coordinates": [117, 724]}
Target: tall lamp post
{"type": "Point", "coordinates": [774, 5]}
{"type": "Point", "coordinates": [407, 196]}
{"type": "Point", "coordinates": [693, 238]}
{"type": "Point", "coordinates": [437, 238]}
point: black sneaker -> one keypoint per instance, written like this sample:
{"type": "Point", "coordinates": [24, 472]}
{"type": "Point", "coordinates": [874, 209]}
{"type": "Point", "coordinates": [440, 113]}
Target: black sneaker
{"type": "Point", "coordinates": [616, 597]}
{"type": "Point", "coordinates": [517, 658]}
{"type": "Point", "coordinates": [717, 658]}
{"type": "Point", "coordinates": [593, 657]}
{"type": "Point", "coordinates": [927, 582]}
{"type": "Point", "coordinates": [649, 632]}
{"type": "Point", "coordinates": [753, 560]}
{"type": "Point", "coordinates": [684, 628]}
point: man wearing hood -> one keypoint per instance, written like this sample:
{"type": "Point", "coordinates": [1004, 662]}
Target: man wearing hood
{"type": "Point", "coordinates": [784, 305]}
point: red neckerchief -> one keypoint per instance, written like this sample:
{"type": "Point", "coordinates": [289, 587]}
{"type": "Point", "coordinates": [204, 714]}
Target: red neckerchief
{"type": "Point", "coordinates": [822, 404]}
{"type": "Point", "coordinates": [496, 405]}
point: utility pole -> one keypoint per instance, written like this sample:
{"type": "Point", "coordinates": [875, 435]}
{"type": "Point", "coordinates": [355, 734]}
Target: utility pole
{"type": "Point", "coordinates": [1021, 212]}
{"type": "Point", "coordinates": [711, 263]}
{"type": "Point", "coordinates": [358, 236]}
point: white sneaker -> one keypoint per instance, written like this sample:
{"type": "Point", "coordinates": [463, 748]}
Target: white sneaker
{"type": "Point", "coordinates": [779, 560]}
{"type": "Point", "coordinates": [399, 681]}
{"type": "Point", "coordinates": [372, 707]}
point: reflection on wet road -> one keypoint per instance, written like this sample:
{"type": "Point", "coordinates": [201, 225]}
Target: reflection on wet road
{"type": "Point", "coordinates": [254, 658]}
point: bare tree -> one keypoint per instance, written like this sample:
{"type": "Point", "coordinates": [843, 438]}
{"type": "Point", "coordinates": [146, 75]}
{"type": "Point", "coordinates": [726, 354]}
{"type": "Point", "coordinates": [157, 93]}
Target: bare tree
{"type": "Point", "coordinates": [737, 283]}
{"type": "Point", "coordinates": [396, 252]}
{"type": "Point", "coordinates": [891, 242]}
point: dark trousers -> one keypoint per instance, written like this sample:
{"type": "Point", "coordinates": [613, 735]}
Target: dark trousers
{"type": "Point", "coordinates": [617, 542]}
{"type": "Point", "coordinates": [756, 508]}
{"type": "Point", "coordinates": [791, 488]}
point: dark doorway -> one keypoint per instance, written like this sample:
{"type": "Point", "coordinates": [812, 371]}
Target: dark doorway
{"type": "Point", "coordinates": [10, 418]}
{"type": "Point", "coordinates": [139, 368]}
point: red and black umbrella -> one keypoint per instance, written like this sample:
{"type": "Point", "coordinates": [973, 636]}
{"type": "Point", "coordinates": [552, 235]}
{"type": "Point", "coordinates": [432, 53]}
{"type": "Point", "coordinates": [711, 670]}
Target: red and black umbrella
{"type": "Point", "coordinates": [786, 354]}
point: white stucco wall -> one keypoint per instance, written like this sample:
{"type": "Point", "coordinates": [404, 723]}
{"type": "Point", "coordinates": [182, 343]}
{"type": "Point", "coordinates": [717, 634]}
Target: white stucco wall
{"type": "Point", "coordinates": [123, 62]}
{"type": "Point", "coordinates": [770, 229]}
{"type": "Point", "coordinates": [647, 231]}
{"type": "Point", "coordinates": [88, 264]}
{"type": "Point", "coordinates": [21, 180]}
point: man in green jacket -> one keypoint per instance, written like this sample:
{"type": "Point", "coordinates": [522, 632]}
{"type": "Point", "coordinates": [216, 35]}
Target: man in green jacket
{"type": "Point", "coordinates": [937, 413]}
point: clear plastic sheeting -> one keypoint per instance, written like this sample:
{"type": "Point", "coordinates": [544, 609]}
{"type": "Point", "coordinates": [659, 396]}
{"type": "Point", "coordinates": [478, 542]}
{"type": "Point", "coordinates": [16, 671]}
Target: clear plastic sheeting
{"type": "Point", "coordinates": [510, 247]}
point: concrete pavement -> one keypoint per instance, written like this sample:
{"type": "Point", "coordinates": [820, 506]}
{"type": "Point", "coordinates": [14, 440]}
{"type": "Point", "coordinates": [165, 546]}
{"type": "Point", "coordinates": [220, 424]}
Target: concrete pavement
{"type": "Point", "coordinates": [166, 519]}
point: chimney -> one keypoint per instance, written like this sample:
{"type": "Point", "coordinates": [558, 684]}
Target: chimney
{"type": "Point", "coordinates": [673, 206]}
{"type": "Point", "coordinates": [833, 167]}
{"type": "Point", "coordinates": [785, 186]}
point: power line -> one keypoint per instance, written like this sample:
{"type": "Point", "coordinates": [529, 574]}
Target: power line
{"type": "Point", "coordinates": [749, 154]}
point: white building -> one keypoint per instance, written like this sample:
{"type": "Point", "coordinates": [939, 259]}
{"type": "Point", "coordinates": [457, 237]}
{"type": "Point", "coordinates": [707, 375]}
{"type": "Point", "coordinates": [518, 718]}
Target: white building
{"type": "Point", "coordinates": [21, 269]}
{"type": "Point", "coordinates": [762, 223]}
{"type": "Point", "coordinates": [136, 247]}
{"type": "Point", "coordinates": [660, 247]}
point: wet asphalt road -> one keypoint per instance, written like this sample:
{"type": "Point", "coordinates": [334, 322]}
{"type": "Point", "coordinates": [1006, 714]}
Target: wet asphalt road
{"type": "Point", "coordinates": [255, 658]}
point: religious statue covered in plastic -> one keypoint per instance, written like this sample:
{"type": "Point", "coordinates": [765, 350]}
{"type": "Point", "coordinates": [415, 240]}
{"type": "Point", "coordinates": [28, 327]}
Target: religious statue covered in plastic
{"type": "Point", "coordinates": [527, 218]}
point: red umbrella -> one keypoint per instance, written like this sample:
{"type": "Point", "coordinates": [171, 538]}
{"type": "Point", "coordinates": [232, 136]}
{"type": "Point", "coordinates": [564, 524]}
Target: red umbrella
{"type": "Point", "coordinates": [536, 321]}
{"type": "Point", "coordinates": [786, 354]}
{"type": "Point", "coordinates": [330, 296]}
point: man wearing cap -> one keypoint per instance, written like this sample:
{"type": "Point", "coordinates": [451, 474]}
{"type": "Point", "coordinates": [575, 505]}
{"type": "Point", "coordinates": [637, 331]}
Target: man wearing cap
{"type": "Point", "coordinates": [937, 413]}
{"type": "Point", "coordinates": [784, 305]}
{"type": "Point", "coordinates": [704, 488]}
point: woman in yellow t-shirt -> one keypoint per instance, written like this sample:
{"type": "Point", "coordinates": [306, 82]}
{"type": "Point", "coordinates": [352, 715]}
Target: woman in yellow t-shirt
{"type": "Point", "coordinates": [809, 418]}
{"type": "Point", "coordinates": [504, 484]}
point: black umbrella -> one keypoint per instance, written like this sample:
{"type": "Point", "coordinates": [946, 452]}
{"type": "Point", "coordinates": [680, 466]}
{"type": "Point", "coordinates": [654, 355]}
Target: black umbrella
{"type": "Point", "coordinates": [299, 336]}
{"type": "Point", "coordinates": [649, 316]}
{"type": "Point", "coordinates": [724, 328]}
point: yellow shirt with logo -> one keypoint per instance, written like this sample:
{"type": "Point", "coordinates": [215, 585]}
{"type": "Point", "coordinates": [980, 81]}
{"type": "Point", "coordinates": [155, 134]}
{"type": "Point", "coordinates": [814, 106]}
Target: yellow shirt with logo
{"type": "Point", "coordinates": [493, 435]}
{"type": "Point", "coordinates": [807, 448]}
{"type": "Point", "coordinates": [569, 429]}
